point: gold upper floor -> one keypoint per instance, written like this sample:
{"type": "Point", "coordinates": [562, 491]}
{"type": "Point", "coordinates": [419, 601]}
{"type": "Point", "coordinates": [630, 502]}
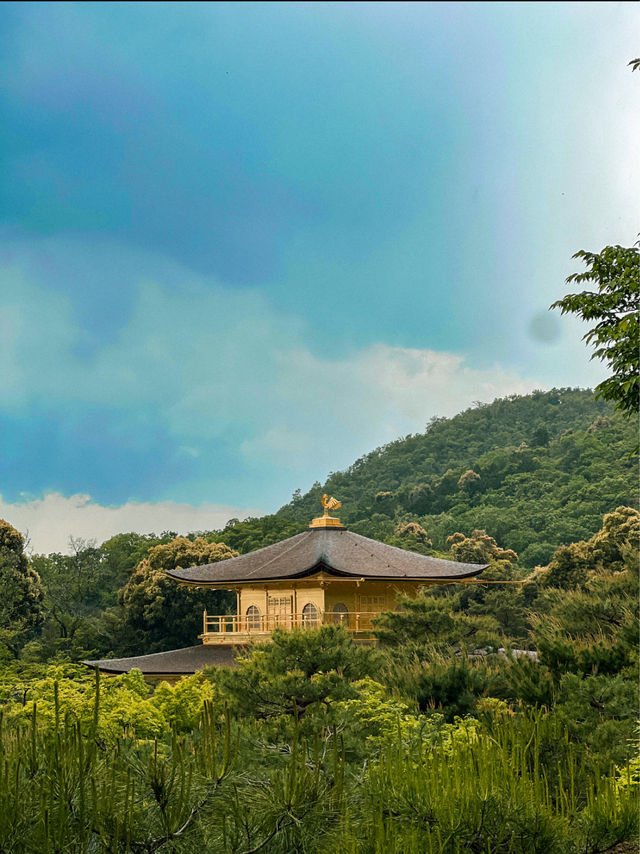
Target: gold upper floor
{"type": "Point", "coordinates": [319, 600]}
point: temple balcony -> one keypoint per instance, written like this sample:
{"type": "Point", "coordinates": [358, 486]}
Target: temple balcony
{"type": "Point", "coordinates": [236, 629]}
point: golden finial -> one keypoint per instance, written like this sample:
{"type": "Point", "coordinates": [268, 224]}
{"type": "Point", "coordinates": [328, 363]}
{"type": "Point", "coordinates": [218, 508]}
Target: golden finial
{"type": "Point", "coordinates": [327, 521]}
{"type": "Point", "coordinates": [330, 503]}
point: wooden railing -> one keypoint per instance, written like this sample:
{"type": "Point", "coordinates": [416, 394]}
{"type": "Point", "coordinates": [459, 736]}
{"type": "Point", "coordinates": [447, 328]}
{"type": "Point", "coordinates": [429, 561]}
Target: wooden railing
{"type": "Point", "coordinates": [235, 624]}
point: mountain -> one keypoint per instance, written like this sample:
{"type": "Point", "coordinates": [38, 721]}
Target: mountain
{"type": "Point", "coordinates": [534, 471]}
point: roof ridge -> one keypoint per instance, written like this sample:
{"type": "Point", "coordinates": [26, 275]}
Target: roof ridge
{"type": "Point", "coordinates": [388, 564]}
{"type": "Point", "coordinates": [240, 558]}
{"type": "Point", "coordinates": [278, 556]}
{"type": "Point", "coordinates": [417, 554]}
{"type": "Point", "coordinates": [348, 554]}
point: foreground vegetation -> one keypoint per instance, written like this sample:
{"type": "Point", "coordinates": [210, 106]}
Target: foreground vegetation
{"type": "Point", "coordinates": [511, 782]}
{"type": "Point", "coordinates": [445, 737]}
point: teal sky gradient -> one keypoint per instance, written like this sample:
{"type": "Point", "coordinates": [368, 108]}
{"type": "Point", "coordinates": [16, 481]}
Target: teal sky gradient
{"type": "Point", "coordinates": [228, 231]}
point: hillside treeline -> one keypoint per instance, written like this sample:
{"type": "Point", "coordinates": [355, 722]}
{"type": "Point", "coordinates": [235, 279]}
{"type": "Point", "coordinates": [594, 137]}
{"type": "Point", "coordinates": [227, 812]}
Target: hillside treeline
{"type": "Point", "coordinates": [535, 472]}
{"type": "Point", "coordinates": [524, 477]}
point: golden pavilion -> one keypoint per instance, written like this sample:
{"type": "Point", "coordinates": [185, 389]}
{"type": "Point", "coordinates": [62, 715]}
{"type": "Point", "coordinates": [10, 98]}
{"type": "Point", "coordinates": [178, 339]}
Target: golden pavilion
{"type": "Point", "coordinates": [325, 575]}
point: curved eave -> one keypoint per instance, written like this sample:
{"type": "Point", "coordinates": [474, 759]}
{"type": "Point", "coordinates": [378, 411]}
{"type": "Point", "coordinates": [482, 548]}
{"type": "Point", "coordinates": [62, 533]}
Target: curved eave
{"type": "Point", "coordinates": [316, 568]}
{"type": "Point", "coordinates": [169, 663]}
{"type": "Point", "coordinates": [341, 553]}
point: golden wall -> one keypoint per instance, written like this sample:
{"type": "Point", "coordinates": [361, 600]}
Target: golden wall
{"type": "Point", "coordinates": [324, 592]}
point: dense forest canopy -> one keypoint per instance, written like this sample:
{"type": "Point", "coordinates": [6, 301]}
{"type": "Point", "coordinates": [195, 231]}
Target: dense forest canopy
{"type": "Point", "coordinates": [534, 471]}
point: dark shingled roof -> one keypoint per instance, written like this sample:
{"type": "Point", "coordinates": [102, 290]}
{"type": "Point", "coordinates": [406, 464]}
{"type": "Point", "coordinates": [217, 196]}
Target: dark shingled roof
{"type": "Point", "coordinates": [174, 661]}
{"type": "Point", "coordinates": [335, 550]}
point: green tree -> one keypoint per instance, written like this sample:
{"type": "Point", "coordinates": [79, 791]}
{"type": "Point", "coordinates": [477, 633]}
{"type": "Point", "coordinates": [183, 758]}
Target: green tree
{"type": "Point", "coordinates": [419, 498]}
{"type": "Point", "coordinates": [411, 536]}
{"type": "Point", "coordinates": [71, 586]}
{"type": "Point", "coordinates": [615, 271]}
{"type": "Point", "coordinates": [615, 546]}
{"type": "Point", "coordinates": [505, 604]}
{"type": "Point", "coordinates": [541, 437]}
{"type": "Point", "coordinates": [81, 592]}
{"type": "Point", "coordinates": [428, 622]}
{"type": "Point", "coordinates": [450, 685]}
{"type": "Point", "coordinates": [159, 613]}
{"type": "Point", "coordinates": [297, 670]}
{"type": "Point", "coordinates": [569, 566]}
{"type": "Point", "coordinates": [21, 610]}
{"type": "Point", "coordinates": [119, 556]}
{"type": "Point", "coordinates": [468, 480]}
{"type": "Point", "coordinates": [478, 548]}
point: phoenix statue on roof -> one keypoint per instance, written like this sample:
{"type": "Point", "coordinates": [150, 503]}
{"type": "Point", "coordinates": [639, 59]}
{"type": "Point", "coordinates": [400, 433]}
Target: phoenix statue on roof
{"type": "Point", "coordinates": [330, 503]}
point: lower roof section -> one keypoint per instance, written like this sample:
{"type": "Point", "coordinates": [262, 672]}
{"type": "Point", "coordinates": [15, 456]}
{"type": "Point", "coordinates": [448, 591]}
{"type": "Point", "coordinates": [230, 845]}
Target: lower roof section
{"type": "Point", "coordinates": [173, 662]}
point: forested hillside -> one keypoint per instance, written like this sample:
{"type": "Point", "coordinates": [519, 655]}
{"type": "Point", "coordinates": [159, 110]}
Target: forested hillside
{"type": "Point", "coordinates": [492, 717]}
{"type": "Point", "coordinates": [535, 472]}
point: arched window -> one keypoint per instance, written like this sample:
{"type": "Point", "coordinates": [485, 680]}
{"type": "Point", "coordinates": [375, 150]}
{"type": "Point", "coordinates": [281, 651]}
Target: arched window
{"type": "Point", "coordinates": [340, 613]}
{"type": "Point", "coordinates": [253, 617]}
{"type": "Point", "coordinates": [309, 615]}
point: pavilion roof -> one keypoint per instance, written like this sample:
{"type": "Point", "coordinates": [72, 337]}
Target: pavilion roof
{"type": "Point", "coordinates": [174, 662]}
{"type": "Point", "coordinates": [337, 551]}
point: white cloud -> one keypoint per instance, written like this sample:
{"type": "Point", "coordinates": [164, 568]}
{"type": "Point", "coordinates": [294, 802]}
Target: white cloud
{"type": "Point", "coordinates": [338, 410]}
{"type": "Point", "coordinates": [203, 362]}
{"type": "Point", "coordinates": [50, 521]}
{"type": "Point", "coordinates": [194, 348]}
{"type": "Point", "coordinates": [316, 415]}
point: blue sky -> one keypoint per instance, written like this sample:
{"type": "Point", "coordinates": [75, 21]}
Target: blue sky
{"type": "Point", "coordinates": [242, 244]}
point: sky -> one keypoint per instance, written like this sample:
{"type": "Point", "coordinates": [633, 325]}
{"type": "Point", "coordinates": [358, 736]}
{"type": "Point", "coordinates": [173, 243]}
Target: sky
{"type": "Point", "coordinates": [243, 244]}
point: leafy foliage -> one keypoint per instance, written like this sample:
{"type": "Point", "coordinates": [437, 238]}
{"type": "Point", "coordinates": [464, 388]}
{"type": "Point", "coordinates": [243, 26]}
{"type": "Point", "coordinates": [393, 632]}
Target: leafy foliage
{"type": "Point", "coordinates": [510, 783]}
{"type": "Point", "coordinates": [614, 547]}
{"type": "Point", "coordinates": [160, 614]}
{"type": "Point", "coordinates": [21, 610]}
{"type": "Point", "coordinates": [430, 621]}
{"type": "Point", "coordinates": [616, 273]}
{"type": "Point", "coordinates": [82, 618]}
{"type": "Point", "coordinates": [126, 704]}
{"type": "Point", "coordinates": [298, 670]}
{"type": "Point", "coordinates": [478, 548]}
